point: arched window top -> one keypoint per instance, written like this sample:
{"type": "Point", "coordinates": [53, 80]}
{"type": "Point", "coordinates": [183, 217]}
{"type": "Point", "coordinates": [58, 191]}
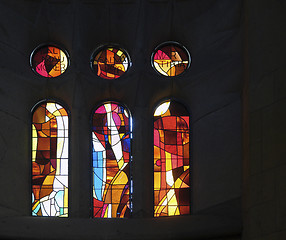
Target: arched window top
{"type": "Point", "coordinates": [171, 160]}
{"type": "Point", "coordinates": [110, 61]}
{"type": "Point", "coordinates": [111, 141]}
{"type": "Point", "coordinates": [52, 106]}
{"type": "Point", "coordinates": [112, 106]}
{"type": "Point", "coordinates": [170, 59]}
{"type": "Point", "coordinates": [49, 60]}
{"type": "Point", "coordinates": [50, 135]}
{"type": "Point", "coordinates": [170, 107]}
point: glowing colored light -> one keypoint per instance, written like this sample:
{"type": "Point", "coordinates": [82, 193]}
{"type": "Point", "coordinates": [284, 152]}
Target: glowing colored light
{"type": "Point", "coordinates": [49, 61]}
{"type": "Point", "coordinates": [170, 59]}
{"type": "Point", "coordinates": [50, 160]}
{"type": "Point", "coordinates": [110, 62]}
{"type": "Point", "coordinates": [171, 160]}
{"type": "Point", "coordinates": [111, 153]}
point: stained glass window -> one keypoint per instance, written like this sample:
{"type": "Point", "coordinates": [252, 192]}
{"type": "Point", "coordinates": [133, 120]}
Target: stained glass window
{"type": "Point", "coordinates": [170, 59]}
{"type": "Point", "coordinates": [111, 139]}
{"type": "Point", "coordinates": [110, 62]}
{"type": "Point", "coordinates": [171, 160]}
{"type": "Point", "coordinates": [50, 160]}
{"type": "Point", "coordinates": [49, 61]}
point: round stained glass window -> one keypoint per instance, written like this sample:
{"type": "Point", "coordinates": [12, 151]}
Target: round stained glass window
{"type": "Point", "coordinates": [49, 61]}
{"type": "Point", "coordinates": [110, 62]}
{"type": "Point", "coordinates": [170, 59]}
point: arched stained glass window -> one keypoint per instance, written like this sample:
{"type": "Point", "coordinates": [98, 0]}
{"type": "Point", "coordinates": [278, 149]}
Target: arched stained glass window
{"type": "Point", "coordinates": [111, 139]}
{"type": "Point", "coordinates": [50, 136]}
{"type": "Point", "coordinates": [171, 160]}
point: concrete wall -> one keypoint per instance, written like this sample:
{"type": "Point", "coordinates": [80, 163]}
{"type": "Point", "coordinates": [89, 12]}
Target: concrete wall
{"type": "Point", "coordinates": [264, 181]}
{"type": "Point", "coordinates": [211, 89]}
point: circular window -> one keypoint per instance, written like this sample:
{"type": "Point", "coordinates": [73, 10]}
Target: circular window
{"type": "Point", "coordinates": [49, 61]}
{"type": "Point", "coordinates": [110, 62]}
{"type": "Point", "coordinates": [170, 59]}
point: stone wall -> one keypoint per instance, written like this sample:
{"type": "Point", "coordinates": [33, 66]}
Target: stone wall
{"type": "Point", "coordinates": [264, 181]}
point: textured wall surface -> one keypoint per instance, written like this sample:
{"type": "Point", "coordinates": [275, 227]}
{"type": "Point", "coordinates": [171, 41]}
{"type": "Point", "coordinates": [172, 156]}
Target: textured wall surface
{"type": "Point", "coordinates": [264, 181]}
{"type": "Point", "coordinates": [211, 90]}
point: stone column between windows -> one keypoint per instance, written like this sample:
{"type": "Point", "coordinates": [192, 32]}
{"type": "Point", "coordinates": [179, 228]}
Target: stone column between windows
{"type": "Point", "coordinates": [142, 164]}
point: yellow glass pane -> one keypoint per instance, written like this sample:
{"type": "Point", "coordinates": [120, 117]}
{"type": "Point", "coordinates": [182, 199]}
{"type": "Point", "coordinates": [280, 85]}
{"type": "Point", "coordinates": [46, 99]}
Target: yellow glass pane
{"type": "Point", "coordinates": [66, 198]}
{"type": "Point", "coordinates": [120, 178]}
{"type": "Point", "coordinates": [119, 53]}
{"type": "Point", "coordinates": [120, 163]}
{"type": "Point", "coordinates": [178, 183]}
{"type": "Point", "coordinates": [172, 210]}
{"type": "Point", "coordinates": [49, 180]}
{"type": "Point", "coordinates": [168, 161]}
{"type": "Point", "coordinates": [173, 200]}
{"type": "Point", "coordinates": [157, 180]}
{"type": "Point", "coordinates": [177, 212]}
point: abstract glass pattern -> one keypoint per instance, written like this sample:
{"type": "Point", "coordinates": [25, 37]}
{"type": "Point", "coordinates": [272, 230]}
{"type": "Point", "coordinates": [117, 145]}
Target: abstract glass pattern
{"type": "Point", "coordinates": [110, 62]}
{"type": "Point", "coordinates": [50, 160]}
{"type": "Point", "coordinates": [111, 139]}
{"type": "Point", "coordinates": [49, 61]}
{"type": "Point", "coordinates": [171, 160]}
{"type": "Point", "coordinates": [170, 59]}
